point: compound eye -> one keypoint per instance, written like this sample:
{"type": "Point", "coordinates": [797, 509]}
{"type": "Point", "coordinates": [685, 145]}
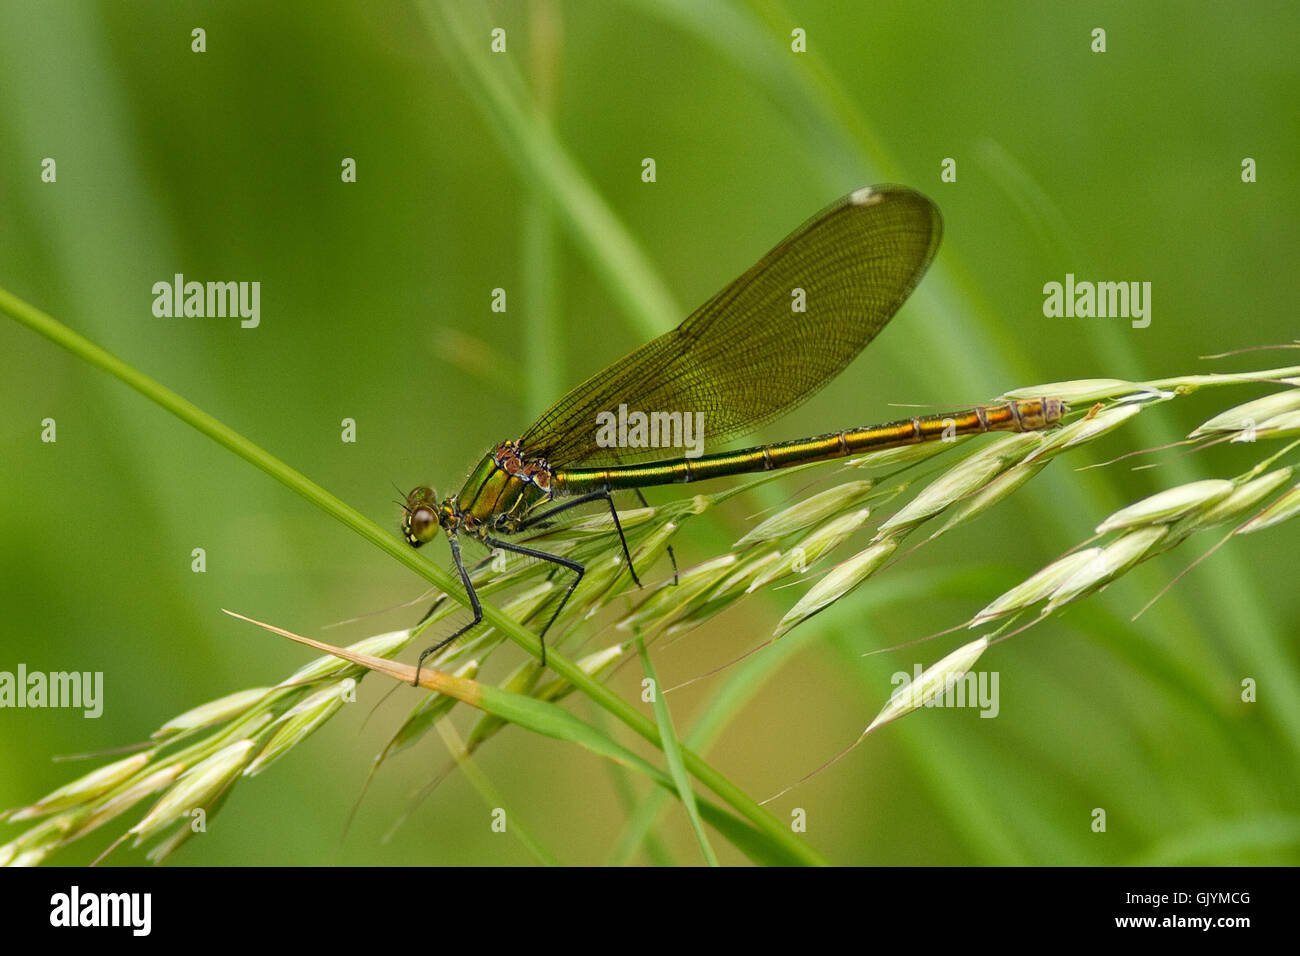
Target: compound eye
{"type": "Point", "coordinates": [423, 495]}
{"type": "Point", "coordinates": [420, 525]}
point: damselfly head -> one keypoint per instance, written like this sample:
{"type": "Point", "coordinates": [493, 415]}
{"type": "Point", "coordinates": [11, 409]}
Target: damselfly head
{"type": "Point", "coordinates": [420, 516]}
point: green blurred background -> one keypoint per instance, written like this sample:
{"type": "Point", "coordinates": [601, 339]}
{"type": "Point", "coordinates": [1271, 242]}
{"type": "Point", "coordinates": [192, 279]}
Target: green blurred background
{"type": "Point", "coordinates": [375, 306]}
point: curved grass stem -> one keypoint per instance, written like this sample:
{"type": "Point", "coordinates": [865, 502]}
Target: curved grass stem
{"type": "Point", "coordinates": [26, 314]}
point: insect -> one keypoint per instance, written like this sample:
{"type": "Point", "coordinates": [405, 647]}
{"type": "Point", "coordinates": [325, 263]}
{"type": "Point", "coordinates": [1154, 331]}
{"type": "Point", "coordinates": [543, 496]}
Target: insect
{"type": "Point", "coordinates": [757, 349]}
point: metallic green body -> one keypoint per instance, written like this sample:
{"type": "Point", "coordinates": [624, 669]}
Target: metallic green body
{"type": "Point", "coordinates": [493, 498]}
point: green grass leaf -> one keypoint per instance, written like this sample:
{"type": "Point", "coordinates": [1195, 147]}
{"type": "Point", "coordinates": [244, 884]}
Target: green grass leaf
{"type": "Point", "coordinates": [673, 754]}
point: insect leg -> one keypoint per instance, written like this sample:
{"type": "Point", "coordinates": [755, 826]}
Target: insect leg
{"type": "Point", "coordinates": [672, 558]}
{"type": "Point", "coordinates": [602, 494]}
{"type": "Point", "coordinates": [473, 603]}
{"type": "Point", "coordinates": [573, 566]}
{"type": "Point", "coordinates": [482, 563]}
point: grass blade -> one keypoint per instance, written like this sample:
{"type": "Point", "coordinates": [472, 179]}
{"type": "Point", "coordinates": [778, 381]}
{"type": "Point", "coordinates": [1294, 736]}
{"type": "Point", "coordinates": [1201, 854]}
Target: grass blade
{"type": "Point", "coordinates": [673, 754]}
{"type": "Point", "coordinates": [192, 415]}
{"type": "Point", "coordinates": [551, 720]}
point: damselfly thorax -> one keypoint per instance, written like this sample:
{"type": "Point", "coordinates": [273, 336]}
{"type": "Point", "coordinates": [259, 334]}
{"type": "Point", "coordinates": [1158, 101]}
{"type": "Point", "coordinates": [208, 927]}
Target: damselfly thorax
{"type": "Point", "coordinates": [498, 495]}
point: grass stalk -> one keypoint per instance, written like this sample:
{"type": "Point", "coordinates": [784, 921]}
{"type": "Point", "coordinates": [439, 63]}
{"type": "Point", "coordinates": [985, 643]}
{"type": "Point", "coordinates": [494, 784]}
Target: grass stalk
{"type": "Point", "coordinates": [228, 438]}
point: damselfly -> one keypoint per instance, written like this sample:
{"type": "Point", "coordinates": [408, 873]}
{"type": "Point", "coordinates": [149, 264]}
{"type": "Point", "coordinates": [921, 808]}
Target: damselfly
{"type": "Point", "coordinates": [754, 351]}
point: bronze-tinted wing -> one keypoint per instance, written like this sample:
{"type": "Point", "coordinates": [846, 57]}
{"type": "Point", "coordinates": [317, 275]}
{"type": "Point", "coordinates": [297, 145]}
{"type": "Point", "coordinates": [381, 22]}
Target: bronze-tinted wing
{"type": "Point", "coordinates": [747, 355]}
